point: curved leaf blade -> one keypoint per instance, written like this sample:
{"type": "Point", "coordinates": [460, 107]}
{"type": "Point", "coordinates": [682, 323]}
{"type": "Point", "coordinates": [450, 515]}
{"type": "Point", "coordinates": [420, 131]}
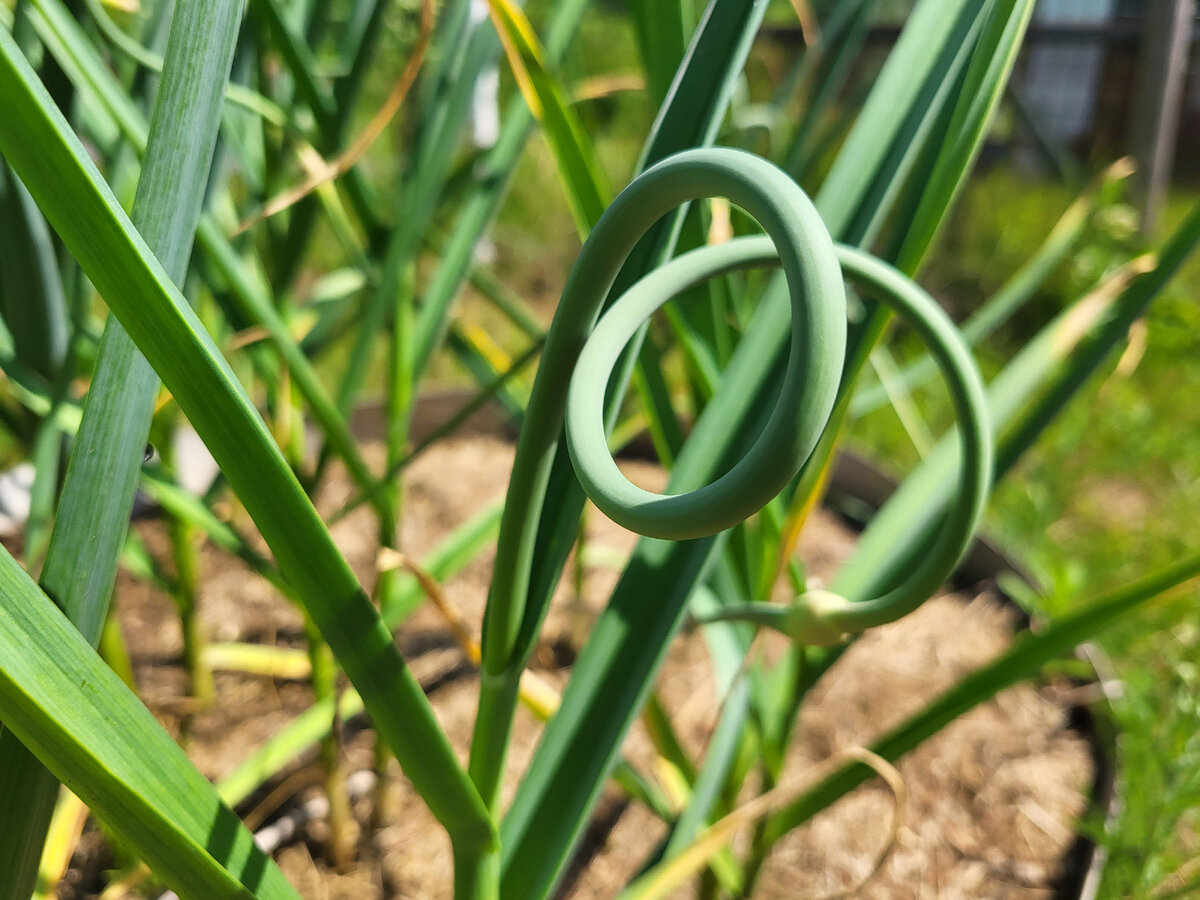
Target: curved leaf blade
{"type": "Point", "coordinates": [90, 730]}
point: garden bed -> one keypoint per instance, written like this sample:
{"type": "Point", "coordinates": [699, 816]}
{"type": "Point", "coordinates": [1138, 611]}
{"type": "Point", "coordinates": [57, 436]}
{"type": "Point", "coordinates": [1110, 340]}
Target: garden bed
{"type": "Point", "coordinates": [992, 801]}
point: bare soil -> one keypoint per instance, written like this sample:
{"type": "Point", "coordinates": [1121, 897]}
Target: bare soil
{"type": "Point", "coordinates": [992, 801]}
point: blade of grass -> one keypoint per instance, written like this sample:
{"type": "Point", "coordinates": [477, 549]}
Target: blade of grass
{"type": "Point", "coordinates": [451, 425]}
{"type": "Point", "coordinates": [249, 100]}
{"type": "Point", "coordinates": [86, 71]}
{"type": "Point", "coordinates": [66, 825]}
{"type": "Point", "coordinates": [978, 98]}
{"type": "Point", "coordinates": [671, 873]}
{"type": "Point", "coordinates": [901, 400]}
{"type": "Point", "coordinates": [719, 759]}
{"type": "Point", "coordinates": [257, 307]}
{"type": "Point", "coordinates": [513, 397]}
{"type": "Point", "coordinates": [886, 134]}
{"type": "Point", "coordinates": [321, 171]}
{"type": "Point", "coordinates": [47, 458]}
{"type": "Point", "coordinates": [180, 504]}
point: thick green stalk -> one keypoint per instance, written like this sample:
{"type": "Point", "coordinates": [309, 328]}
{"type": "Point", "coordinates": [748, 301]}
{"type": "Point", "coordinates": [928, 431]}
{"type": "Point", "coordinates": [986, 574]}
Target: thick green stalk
{"type": "Point", "coordinates": [626, 644]}
{"type": "Point", "coordinates": [185, 552]}
{"type": "Point", "coordinates": [690, 117]}
{"type": "Point", "coordinates": [98, 491]}
{"type": "Point", "coordinates": [324, 684]}
{"type": "Point", "coordinates": [187, 563]}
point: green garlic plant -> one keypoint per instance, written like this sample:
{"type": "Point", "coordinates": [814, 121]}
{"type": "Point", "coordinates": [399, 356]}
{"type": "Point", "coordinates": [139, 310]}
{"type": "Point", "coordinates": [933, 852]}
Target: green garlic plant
{"type": "Point", "coordinates": [772, 365]}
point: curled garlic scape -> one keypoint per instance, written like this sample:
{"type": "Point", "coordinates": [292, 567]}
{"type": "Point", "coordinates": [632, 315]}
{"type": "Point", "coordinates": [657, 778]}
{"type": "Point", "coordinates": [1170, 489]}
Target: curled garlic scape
{"type": "Point", "coordinates": [580, 354]}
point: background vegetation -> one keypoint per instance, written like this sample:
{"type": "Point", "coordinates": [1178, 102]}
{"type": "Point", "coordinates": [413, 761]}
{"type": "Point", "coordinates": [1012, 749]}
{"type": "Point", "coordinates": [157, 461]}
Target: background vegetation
{"type": "Point", "coordinates": [1108, 495]}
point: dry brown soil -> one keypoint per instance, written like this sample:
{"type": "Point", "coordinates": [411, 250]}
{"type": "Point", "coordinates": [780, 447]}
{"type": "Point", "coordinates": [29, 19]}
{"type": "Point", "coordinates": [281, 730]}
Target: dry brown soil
{"type": "Point", "coordinates": [991, 804]}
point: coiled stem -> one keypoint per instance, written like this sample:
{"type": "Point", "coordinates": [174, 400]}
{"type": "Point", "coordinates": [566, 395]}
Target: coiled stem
{"type": "Point", "coordinates": [578, 361]}
{"type": "Point", "coordinates": [804, 251]}
{"type": "Point", "coordinates": [823, 618]}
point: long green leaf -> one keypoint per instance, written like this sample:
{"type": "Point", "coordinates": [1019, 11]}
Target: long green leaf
{"type": "Point", "coordinates": [32, 305]}
{"type": "Point", "coordinates": [81, 720]}
{"type": "Point", "coordinates": [1083, 365]}
{"type": "Point", "coordinates": [978, 98]}
{"type": "Point", "coordinates": [578, 169]}
{"type": "Point", "coordinates": [886, 136]}
{"type": "Point", "coordinates": [97, 496]}
{"type": "Point", "coordinates": [842, 37]}
{"type": "Point", "coordinates": [493, 176]}
{"type": "Point", "coordinates": [78, 203]}
{"type": "Point", "coordinates": [662, 39]}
